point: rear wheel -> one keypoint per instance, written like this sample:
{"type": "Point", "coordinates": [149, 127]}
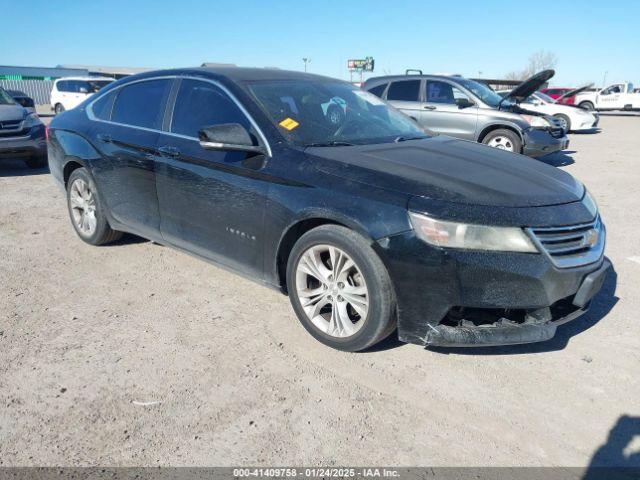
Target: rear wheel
{"type": "Point", "coordinates": [503, 139]}
{"type": "Point", "coordinates": [340, 289]}
{"type": "Point", "coordinates": [59, 108]}
{"type": "Point", "coordinates": [587, 106]}
{"type": "Point", "coordinates": [86, 211]}
{"type": "Point", "coordinates": [565, 121]}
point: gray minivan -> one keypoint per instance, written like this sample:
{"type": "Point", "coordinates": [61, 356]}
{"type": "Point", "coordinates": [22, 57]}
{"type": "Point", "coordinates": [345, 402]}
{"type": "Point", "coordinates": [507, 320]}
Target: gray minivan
{"type": "Point", "coordinates": [464, 108]}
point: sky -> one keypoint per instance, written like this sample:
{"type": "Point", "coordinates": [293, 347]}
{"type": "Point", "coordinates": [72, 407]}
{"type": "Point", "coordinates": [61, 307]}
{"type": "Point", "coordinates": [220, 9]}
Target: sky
{"type": "Point", "coordinates": [590, 39]}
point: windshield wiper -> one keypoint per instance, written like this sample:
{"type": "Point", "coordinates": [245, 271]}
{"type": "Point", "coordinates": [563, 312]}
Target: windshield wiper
{"type": "Point", "coordinates": [404, 139]}
{"type": "Point", "coordinates": [333, 143]}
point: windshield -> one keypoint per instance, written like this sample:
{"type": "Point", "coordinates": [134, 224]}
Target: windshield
{"type": "Point", "coordinates": [5, 98]}
{"type": "Point", "coordinates": [325, 113]}
{"type": "Point", "coordinates": [544, 98]}
{"type": "Point", "coordinates": [481, 91]}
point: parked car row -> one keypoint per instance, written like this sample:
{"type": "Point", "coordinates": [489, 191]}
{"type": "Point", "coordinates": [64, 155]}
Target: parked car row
{"type": "Point", "coordinates": [322, 190]}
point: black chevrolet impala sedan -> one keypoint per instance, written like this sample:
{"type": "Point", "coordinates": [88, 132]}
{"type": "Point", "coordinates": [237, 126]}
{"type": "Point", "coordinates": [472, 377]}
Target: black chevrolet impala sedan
{"type": "Point", "coordinates": [319, 189]}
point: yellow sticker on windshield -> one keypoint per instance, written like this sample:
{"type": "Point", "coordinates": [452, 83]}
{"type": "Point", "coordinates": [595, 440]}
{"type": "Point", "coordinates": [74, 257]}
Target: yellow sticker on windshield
{"type": "Point", "coordinates": [288, 123]}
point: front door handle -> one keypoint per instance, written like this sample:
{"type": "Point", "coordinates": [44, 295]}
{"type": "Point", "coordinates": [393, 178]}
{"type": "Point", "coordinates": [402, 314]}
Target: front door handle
{"type": "Point", "coordinates": [103, 137]}
{"type": "Point", "coordinates": [172, 152]}
{"type": "Point", "coordinates": [429, 107]}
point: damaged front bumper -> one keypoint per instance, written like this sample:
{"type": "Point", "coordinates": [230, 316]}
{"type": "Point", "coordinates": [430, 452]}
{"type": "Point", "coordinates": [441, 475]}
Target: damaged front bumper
{"type": "Point", "coordinates": [466, 298]}
{"type": "Point", "coordinates": [537, 326]}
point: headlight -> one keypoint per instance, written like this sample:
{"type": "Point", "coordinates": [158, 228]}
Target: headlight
{"type": "Point", "coordinates": [590, 203]}
{"type": "Point", "coordinates": [536, 122]}
{"type": "Point", "coordinates": [31, 120]}
{"type": "Point", "coordinates": [469, 236]}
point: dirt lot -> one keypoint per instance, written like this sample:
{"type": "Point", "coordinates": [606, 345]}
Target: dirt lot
{"type": "Point", "coordinates": [135, 354]}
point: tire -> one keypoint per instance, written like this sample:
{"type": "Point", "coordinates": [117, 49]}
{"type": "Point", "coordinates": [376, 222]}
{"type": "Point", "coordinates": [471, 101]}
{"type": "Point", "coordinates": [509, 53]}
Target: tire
{"type": "Point", "coordinates": [59, 108]}
{"type": "Point", "coordinates": [37, 162]}
{"type": "Point", "coordinates": [587, 106]}
{"type": "Point", "coordinates": [368, 274]}
{"type": "Point", "coordinates": [565, 119]}
{"type": "Point", "coordinates": [99, 232]}
{"type": "Point", "coordinates": [509, 140]}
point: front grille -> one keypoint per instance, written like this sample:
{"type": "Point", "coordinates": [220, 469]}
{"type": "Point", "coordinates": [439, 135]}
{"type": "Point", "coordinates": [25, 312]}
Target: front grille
{"type": "Point", "coordinates": [10, 124]}
{"type": "Point", "coordinates": [572, 245]}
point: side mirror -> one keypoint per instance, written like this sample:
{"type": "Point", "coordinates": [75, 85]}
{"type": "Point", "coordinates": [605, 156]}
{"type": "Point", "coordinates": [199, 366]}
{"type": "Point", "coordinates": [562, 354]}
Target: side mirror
{"type": "Point", "coordinates": [228, 136]}
{"type": "Point", "coordinates": [464, 103]}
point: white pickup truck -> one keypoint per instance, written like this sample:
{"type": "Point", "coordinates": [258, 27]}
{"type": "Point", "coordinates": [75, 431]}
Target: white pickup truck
{"type": "Point", "coordinates": [618, 96]}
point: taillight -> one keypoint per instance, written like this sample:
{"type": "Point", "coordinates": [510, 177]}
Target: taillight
{"type": "Point", "coordinates": [46, 132]}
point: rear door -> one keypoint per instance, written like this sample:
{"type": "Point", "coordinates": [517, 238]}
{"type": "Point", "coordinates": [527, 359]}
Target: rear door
{"type": "Point", "coordinates": [405, 96]}
{"type": "Point", "coordinates": [126, 128]}
{"type": "Point", "coordinates": [442, 112]}
{"type": "Point", "coordinates": [211, 202]}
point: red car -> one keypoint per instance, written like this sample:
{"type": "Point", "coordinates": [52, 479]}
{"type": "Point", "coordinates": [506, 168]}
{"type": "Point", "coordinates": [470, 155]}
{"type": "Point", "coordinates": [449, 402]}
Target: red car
{"type": "Point", "coordinates": [563, 95]}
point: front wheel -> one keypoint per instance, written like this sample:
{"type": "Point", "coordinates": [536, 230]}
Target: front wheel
{"type": "Point", "coordinates": [86, 211]}
{"type": "Point", "coordinates": [59, 108]}
{"type": "Point", "coordinates": [503, 139]}
{"type": "Point", "coordinates": [340, 289]}
{"type": "Point", "coordinates": [565, 122]}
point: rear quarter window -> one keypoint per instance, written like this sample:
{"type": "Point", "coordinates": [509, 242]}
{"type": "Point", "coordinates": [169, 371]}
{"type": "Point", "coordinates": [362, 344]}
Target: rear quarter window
{"type": "Point", "coordinates": [378, 90]}
{"type": "Point", "coordinates": [102, 107]}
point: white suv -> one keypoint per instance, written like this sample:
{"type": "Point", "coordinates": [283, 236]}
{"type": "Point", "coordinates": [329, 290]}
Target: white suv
{"type": "Point", "coordinates": [69, 92]}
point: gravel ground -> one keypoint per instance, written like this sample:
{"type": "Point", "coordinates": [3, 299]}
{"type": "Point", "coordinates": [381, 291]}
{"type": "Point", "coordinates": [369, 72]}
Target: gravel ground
{"type": "Point", "coordinates": [135, 354]}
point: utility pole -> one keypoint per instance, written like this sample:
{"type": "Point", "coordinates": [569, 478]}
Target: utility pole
{"type": "Point", "coordinates": [306, 61]}
{"type": "Point", "coordinates": [604, 80]}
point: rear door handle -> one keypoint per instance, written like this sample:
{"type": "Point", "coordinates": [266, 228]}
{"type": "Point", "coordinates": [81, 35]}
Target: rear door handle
{"type": "Point", "coordinates": [172, 152]}
{"type": "Point", "coordinates": [103, 137]}
{"type": "Point", "coordinates": [429, 107]}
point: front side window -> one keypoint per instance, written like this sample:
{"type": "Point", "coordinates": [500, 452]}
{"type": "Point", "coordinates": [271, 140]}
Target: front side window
{"type": "Point", "coordinates": [202, 104]}
{"type": "Point", "coordinates": [405, 90]}
{"type": "Point", "coordinates": [141, 104]}
{"type": "Point", "coordinates": [440, 92]}
{"type": "Point", "coordinates": [329, 112]}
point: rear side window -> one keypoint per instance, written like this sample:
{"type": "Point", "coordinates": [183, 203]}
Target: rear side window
{"type": "Point", "coordinates": [202, 104]}
{"type": "Point", "coordinates": [379, 90]}
{"type": "Point", "coordinates": [102, 107]}
{"type": "Point", "coordinates": [141, 104]}
{"type": "Point", "coordinates": [407, 90]}
{"type": "Point", "coordinates": [62, 86]}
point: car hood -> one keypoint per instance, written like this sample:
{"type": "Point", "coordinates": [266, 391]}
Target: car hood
{"type": "Point", "coordinates": [529, 86]}
{"type": "Point", "coordinates": [11, 112]}
{"type": "Point", "coordinates": [451, 170]}
{"type": "Point", "coordinates": [573, 92]}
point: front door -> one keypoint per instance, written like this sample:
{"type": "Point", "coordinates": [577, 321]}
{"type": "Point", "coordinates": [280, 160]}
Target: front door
{"type": "Point", "coordinates": [611, 97]}
{"type": "Point", "coordinates": [445, 113]}
{"type": "Point", "coordinates": [211, 202]}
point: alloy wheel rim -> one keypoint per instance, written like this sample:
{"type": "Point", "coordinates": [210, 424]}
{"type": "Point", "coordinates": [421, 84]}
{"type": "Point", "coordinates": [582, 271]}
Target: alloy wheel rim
{"type": "Point", "coordinates": [83, 207]}
{"type": "Point", "coordinates": [332, 291]}
{"type": "Point", "coordinates": [503, 143]}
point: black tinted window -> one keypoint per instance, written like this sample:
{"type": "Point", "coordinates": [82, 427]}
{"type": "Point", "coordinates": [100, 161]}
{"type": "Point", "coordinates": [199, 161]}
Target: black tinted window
{"type": "Point", "coordinates": [377, 91]}
{"type": "Point", "coordinates": [408, 90]}
{"type": "Point", "coordinates": [102, 107]}
{"type": "Point", "coordinates": [202, 104]}
{"type": "Point", "coordinates": [141, 104]}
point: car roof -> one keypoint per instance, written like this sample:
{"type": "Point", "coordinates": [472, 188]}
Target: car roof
{"type": "Point", "coordinates": [235, 74]}
{"type": "Point", "coordinates": [85, 78]}
{"type": "Point", "coordinates": [390, 78]}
